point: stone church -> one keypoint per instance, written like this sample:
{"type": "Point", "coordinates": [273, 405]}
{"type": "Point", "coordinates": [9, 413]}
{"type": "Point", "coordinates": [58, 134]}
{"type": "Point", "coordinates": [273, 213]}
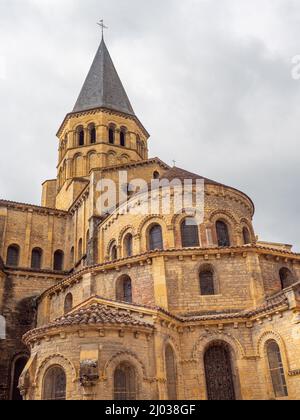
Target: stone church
{"type": "Point", "coordinates": [122, 305]}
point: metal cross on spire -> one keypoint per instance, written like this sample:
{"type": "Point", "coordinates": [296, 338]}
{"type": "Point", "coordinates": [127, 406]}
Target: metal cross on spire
{"type": "Point", "coordinates": [102, 26]}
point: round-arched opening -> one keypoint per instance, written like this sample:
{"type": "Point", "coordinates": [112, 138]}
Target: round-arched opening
{"type": "Point", "coordinates": [155, 238]}
{"type": "Point", "coordinates": [18, 366]}
{"type": "Point", "coordinates": [68, 305]}
{"type": "Point", "coordinates": [219, 373]}
{"type": "Point", "coordinates": [36, 259]}
{"type": "Point", "coordinates": [55, 384]}
{"type": "Point", "coordinates": [246, 236]}
{"type": "Point", "coordinates": [124, 289]}
{"type": "Point", "coordinates": [128, 245]}
{"type": "Point", "coordinates": [13, 256]}
{"type": "Point", "coordinates": [222, 234]}
{"type": "Point", "coordinates": [287, 278]}
{"type": "Point", "coordinates": [125, 383]}
{"type": "Point", "coordinates": [276, 369]}
{"type": "Point", "coordinates": [58, 263]}
{"type": "Point", "coordinates": [171, 373]}
{"type": "Point", "coordinates": [190, 233]}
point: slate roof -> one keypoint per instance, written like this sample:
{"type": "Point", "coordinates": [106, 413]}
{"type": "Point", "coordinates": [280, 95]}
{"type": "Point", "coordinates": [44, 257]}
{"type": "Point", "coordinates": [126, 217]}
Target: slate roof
{"type": "Point", "coordinates": [103, 87]}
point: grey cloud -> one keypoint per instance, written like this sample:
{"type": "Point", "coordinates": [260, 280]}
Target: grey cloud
{"type": "Point", "coordinates": [210, 80]}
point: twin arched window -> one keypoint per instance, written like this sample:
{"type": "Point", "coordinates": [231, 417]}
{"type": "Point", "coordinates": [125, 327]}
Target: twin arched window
{"type": "Point", "coordinates": [58, 261]}
{"type": "Point", "coordinates": [125, 383]}
{"type": "Point", "coordinates": [36, 259]}
{"type": "Point", "coordinates": [207, 286]}
{"type": "Point", "coordinates": [189, 233]}
{"type": "Point", "coordinates": [124, 289]}
{"type": "Point", "coordinates": [155, 238]}
{"type": "Point", "coordinates": [13, 256]}
{"type": "Point", "coordinates": [276, 369]}
{"type": "Point", "coordinates": [222, 234]}
{"type": "Point", "coordinates": [55, 383]}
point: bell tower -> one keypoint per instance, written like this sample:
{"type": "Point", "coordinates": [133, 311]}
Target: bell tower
{"type": "Point", "coordinates": [101, 131]}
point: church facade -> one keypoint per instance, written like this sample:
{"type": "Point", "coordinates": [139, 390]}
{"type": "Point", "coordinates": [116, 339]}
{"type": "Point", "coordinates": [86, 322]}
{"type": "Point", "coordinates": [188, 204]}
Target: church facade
{"type": "Point", "coordinates": [127, 304]}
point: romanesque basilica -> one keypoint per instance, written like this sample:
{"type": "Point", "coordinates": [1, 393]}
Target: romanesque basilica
{"type": "Point", "coordinates": [129, 305]}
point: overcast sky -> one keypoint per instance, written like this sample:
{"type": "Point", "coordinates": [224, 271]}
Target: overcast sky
{"type": "Point", "coordinates": [211, 81]}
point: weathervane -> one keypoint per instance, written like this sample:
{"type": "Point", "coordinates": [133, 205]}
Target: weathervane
{"type": "Point", "coordinates": [102, 26]}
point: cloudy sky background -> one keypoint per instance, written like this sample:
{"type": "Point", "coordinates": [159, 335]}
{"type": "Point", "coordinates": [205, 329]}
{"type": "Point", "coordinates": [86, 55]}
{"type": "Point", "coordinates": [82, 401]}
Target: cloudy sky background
{"type": "Point", "coordinates": [210, 79]}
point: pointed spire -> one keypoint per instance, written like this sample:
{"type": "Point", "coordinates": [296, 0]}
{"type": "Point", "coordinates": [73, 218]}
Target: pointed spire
{"type": "Point", "coordinates": [103, 87]}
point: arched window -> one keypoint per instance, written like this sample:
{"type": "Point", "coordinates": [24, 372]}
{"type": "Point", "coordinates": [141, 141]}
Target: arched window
{"type": "Point", "coordinates": [72, 255]}
{"type": "Point", "coordinates": [189, 233]}
{"type": "Point", "coordinates": [123, 137]}
{"type": "Point", "coordinates": [17, 369]}
{"type": "Point", "coordinates": [125, 383]}
{"type": "Point", "coordinates": [87, 240]}
{"type": "Point", "coordinates": [92, 133]}
{"type": "Point", "coordinates": [55, 383]}
{"type": "Point", "coordinates": [156, 175]}
{"type": "Point", "coordinates": [58, 263]}
{"type": "Point", "coordinates": [68, 306]}
{"type": "Point", "coordinates": [286, 277]}
{"type": "Point", "coordinates": [171, 373]}
{"type": "Point", "coordinates": [124, 289]}
{"type": "Point", "coordinates": [80, 136]}
{"type": "Point", "coordinates": [138, 144]}
{"type": "Point", "coordinates": [276, 369]}
{"type": "Point", "coordinates": [36, 259]}
{"type": "Point", "coordinates": [128, 245]}
{"type": "Point", "coordinates": [219, 374]}
{"type": "Point", "coordinates": [207, 286]}
{"type": "Point", "coordinates": [222, 234]}
{"type": "Point", "coordinates": [246, 236]}
{"type": "Point", "coordinates": [111, 134]}
{"type": "Point", "coordinates": [155, 238]}
{"type": "Point", "coordinates": [80, 250]}
{"type": "Point", "coordinates": [113, 253]}
{"type": "Point", "coordinates": [2, 328]}
{"type": "Point", "coordinates": [13, 256]}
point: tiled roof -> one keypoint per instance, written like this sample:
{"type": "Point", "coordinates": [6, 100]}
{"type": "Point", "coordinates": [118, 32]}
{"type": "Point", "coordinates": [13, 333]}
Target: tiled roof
{"type": "Point", "coordinates": [95, 314]}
